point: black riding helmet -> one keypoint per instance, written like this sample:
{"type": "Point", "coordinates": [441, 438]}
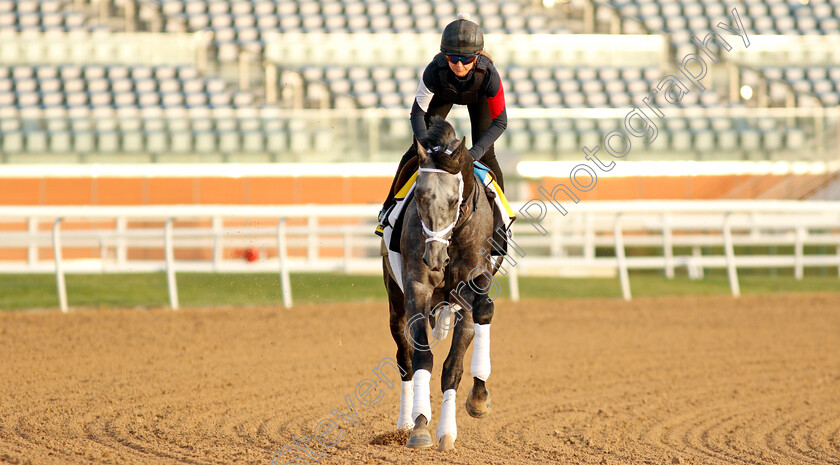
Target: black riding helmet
{"type": "Point", "coordinates": [462, 37]}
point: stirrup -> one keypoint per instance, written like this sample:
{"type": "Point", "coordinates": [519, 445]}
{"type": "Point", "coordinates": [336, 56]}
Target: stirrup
{"type": "Point", "coordinates": [385, 213]}
{"type": "Point", "coordinates": [383, 220]}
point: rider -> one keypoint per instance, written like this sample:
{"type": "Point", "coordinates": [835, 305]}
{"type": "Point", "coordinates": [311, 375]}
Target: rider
{"type": "Point", "coordinates": [462, 73]}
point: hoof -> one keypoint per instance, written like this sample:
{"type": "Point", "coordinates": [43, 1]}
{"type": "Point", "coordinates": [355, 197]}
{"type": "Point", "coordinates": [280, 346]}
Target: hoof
{"type": "Point", "coordinates": [420, 437]}
{"type": "Point", "coordinates": [446, 443]}
{"type": "Point", "coordinates": [478, 409]}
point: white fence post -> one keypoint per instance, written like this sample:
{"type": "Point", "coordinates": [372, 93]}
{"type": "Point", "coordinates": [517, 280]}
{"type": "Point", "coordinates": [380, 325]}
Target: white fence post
{"type": "Point", "coordinates": [668, 245]}
{"type": "Point", "coordinates": [312, 238]}
{"type": "Point", "coordinates": [285, 286]}
{"type": "Point", "coordinates": [32, 255]}
{"type": "Point", "coordinates": [556, 238]}
{"type": "Point", "coordinates": [514, 283]}
{"type": "Point", "coordinates": [59, 269]}
{"type": "Point", "coordinates": [170, 265]}
{"type": "Point", "coordinates": [798, 252]}
{"type": "Point", "coordinates": [731, 271]}
{"type": "Point", "coordinates": [754, 232]}
{"type": "Point", "coordinates": [348, 249]}
{"type": "Point", "coordinates": [218, 249]}
{"type": "Point", "coordinates": [695, 271]}
{"type": "Point", "coordinates": [589, 237]}
{"type": "Point", "coordinates": [838, 258]}
{"type": "Point", "coordinates": [622, 259]}
{"type": "Point", "coordinates": [122, 249]}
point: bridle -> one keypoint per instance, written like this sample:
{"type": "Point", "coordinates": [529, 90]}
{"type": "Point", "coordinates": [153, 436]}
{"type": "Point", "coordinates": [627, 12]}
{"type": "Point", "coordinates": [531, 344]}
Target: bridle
{"type": "Point", "coordinates": [445, 234]}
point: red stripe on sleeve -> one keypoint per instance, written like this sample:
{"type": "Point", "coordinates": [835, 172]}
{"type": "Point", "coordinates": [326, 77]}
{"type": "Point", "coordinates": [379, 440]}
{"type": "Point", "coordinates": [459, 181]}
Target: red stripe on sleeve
{"type": "Point", "coordinates": [497, 102]}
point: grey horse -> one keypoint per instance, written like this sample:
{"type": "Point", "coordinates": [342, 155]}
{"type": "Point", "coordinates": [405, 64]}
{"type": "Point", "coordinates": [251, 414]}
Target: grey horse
{"type": "Point", "coordinates": [447, 271]}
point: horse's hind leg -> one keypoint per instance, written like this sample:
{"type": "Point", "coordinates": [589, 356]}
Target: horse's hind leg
{"type": "Point", "coordinates": [396, 303]}
{"type": "Point", "coordinates": [478, 403]}
{"type": "Point", "coordinates": [453, 368]}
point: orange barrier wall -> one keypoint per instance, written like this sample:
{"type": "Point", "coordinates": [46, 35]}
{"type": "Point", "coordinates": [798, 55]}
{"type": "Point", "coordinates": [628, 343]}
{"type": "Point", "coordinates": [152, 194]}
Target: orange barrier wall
{"type": "Point", "coordinates": [329, 190]}
{"type": "Point", "coordinates": [195, 191]}
{"type": "Point", "coordinates": [663, 187]}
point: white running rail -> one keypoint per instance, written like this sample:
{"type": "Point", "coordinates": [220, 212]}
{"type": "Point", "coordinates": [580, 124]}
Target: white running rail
{"type": "Point", "coordinates": [593, 239]}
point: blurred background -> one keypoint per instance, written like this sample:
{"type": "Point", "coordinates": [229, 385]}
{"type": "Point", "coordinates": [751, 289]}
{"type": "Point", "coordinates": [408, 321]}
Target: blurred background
{"type": "Point", "coordinates": [297, 103]}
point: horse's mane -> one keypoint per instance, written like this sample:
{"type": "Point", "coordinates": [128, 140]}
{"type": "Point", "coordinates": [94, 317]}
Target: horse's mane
{"type": "Point", "coordinates": [442, 134]}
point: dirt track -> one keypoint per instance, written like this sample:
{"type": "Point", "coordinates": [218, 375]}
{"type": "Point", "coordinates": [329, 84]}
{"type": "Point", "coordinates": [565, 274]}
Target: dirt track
{"type": "Point", "coordinates": [656, 381]}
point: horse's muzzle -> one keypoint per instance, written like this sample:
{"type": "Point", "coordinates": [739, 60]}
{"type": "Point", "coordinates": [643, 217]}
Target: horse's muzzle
{"type": "Point", "coordinates": [435, 256]}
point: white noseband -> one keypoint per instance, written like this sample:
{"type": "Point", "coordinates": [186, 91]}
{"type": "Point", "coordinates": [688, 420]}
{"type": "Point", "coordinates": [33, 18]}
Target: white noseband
{"type": "Point", "coordinates": [439, 236]}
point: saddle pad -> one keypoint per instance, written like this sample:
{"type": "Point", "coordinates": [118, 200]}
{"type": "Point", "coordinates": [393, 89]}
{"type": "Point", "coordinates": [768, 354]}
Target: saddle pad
{"type": "Point", "coordinates": [393, 230]}
{"type": "Point", "coordinates": [486, 176]}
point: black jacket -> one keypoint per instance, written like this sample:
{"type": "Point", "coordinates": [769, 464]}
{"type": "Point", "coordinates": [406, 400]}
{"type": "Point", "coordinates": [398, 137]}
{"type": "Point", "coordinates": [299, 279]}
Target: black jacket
{"type": "Point", "coordinates": [439, 86]}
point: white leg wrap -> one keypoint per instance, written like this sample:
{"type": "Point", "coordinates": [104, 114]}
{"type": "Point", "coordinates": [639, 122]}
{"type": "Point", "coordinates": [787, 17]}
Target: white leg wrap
{"type": "Point", "coordinates": [480, 366]}
{"type": "Point", "coordinates": [422, 399]}
{"type": "Point", "coordinates": [446, 424]}
{"type": "Point", "coordinates": [404, 421]}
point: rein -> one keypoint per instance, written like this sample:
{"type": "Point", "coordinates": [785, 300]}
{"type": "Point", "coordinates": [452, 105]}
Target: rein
{"type": "Point", "coordinates": [441, 235]}
{"type": "Point", "coordinates": [466, 218]}
{"type": "Point", "coordinates": [460, 219]}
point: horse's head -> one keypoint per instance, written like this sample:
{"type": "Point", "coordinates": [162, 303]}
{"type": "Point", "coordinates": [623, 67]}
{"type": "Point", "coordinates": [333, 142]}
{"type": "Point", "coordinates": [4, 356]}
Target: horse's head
{"type": "Point", "coordinates": [438, 191]}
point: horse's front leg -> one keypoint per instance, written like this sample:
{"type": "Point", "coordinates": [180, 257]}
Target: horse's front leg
{"type": "Point", "coordinates": [396, 305]}
{"type": "Point", "coordinates": [417, 299]}
{"type": "Point", "coordinates": [453, 368]}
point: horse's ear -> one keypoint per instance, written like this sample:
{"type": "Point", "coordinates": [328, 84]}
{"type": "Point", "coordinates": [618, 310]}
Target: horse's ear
{"type": "Point", "coordinates": [462, 150]}
{"type": "Point", "coordinates": [422, 157]}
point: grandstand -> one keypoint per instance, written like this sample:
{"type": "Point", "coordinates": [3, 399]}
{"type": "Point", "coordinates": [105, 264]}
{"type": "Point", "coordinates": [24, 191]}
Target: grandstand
{"type": "Point", "coordinates": [277, 81]}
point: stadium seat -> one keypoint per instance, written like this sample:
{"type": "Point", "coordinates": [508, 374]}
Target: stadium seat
{"type": "Point", "coordinates": [750, 140]}
{"type": "Point", "coordinates": [131, 141]}
{"type": "Point", "coordinates": [107, 141]}
{"type": "Point", "coordinates": [36, 141]}
{"type": "Point", "coordinates": [704, 140]}
{"type": "Point", "coordinates": [543, 141]}
{"type": "Point", "coordinates": [29, 92]}
{"type": "Point", "coordinates": [205, 142]}
{"type": "Point", "coordinates": [772, 140]}
{"type": "Point", "coordinates": [680, 140]}
{"type": "Point", "coordinates": [229, 141]}
{"type": "Point", "coordinates": [727, 140]}
{"type": "Point", "coordinates": [12, 143]}
{"type": "Point", "coordinates": [157, 141]}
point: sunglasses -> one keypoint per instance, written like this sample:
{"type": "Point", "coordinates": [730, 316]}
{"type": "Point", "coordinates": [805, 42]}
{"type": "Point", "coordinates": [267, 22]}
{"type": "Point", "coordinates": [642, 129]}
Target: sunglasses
{"type": "Point", "coordinates": [454, 59]}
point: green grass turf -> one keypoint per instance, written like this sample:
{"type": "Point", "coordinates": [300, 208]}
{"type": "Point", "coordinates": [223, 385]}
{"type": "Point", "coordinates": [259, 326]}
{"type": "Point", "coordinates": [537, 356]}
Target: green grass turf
{"type": "Point", "coordinates": [208, 290]}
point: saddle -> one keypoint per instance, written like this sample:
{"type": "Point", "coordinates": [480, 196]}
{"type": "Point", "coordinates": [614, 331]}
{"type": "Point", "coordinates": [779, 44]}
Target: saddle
{"type": "Point", "coordinates": [406, 173]}
{"type": "Point", "coordinates": [503, 215]}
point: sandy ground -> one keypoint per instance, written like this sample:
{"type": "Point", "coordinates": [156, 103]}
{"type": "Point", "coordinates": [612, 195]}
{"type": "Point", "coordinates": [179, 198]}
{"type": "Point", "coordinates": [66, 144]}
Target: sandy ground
{"type": "Point", "coordinates": [655, 381]}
